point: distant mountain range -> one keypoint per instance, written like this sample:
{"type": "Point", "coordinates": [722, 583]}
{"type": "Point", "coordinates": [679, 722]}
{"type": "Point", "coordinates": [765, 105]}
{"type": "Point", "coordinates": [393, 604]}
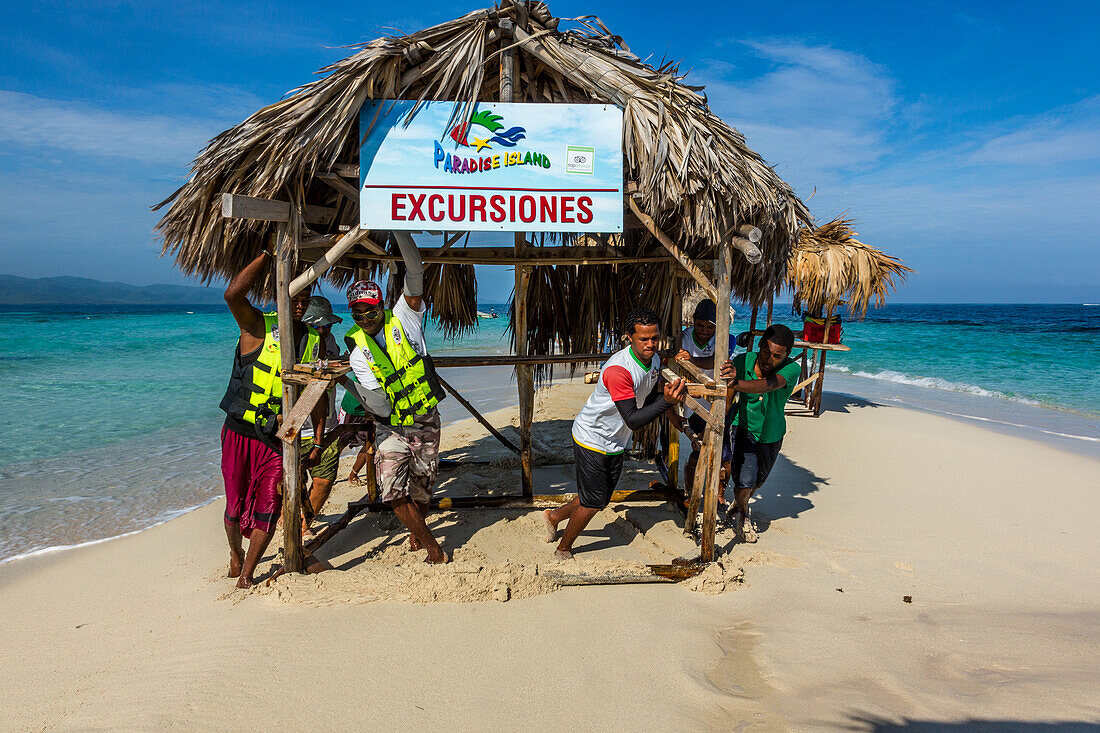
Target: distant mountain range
{"type": "Point", "coordinates": [86, 291]}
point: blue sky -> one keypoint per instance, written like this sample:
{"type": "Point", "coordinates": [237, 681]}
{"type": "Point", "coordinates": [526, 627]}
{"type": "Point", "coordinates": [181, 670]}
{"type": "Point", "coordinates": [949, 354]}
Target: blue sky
{"type": "Point", "coordinates": [964, 138]}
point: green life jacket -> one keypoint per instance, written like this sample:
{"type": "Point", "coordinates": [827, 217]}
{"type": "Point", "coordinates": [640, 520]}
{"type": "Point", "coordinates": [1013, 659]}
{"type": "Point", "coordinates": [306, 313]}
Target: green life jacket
{"type": "Point", "coordinates": [400, 370]}
{"type": "Point", "coordinates": [255, 393]}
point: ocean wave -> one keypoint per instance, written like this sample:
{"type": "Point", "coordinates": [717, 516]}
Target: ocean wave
{"type": "Point", "coordinates": [888, 375]}
{"type": "Point", "coordinates": [164, 517]}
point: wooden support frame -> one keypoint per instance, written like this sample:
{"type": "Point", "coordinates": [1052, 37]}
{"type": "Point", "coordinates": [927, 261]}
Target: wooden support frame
{"type": "Point", "coordinates": [235, 206]}
{"type": "Point", "coordinates": [716, 433]}
{"type": "Point", "coordinates": [293, 556]}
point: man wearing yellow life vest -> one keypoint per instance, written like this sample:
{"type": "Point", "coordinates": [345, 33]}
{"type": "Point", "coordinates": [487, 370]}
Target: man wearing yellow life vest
{"type": "Point", "coordinates": [252, 462]}
{"type": "Point", "coordinates": [397, 385]}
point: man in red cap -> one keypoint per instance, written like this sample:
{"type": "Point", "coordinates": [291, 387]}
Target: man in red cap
{"type": "Point", "coordinates": [397, 384]}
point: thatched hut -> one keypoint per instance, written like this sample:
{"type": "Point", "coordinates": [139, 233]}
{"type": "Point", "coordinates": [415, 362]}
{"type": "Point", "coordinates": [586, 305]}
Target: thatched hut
{"type": "Point", "coordinates": [829, 267]}
{"type": "Point", "coordinates": [695, 192]}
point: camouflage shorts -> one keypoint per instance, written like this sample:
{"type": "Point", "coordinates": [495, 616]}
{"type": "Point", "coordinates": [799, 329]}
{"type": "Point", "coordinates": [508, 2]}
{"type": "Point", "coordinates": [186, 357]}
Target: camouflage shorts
{"type": "Point", "coordinates": [407, 459]}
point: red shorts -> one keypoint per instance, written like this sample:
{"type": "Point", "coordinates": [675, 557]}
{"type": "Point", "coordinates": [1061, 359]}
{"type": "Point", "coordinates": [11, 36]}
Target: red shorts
{"type": "Point", "coordinates": [252, 472]}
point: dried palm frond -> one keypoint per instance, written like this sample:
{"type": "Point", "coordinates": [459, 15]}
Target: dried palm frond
{"type": "Point", "coordinates": [451, 294]}
{"type": "Point", "coordinates": [829, 266]}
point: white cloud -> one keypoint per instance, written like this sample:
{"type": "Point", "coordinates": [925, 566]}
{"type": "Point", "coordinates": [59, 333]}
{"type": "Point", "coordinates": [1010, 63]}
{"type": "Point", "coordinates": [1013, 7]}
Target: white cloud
{"type": "Point", "coordinates": [1066, 135]}
{"type": "Point", "coordinates": [818, 112]}
{"type": "Point", "coordinates": [33, 124]}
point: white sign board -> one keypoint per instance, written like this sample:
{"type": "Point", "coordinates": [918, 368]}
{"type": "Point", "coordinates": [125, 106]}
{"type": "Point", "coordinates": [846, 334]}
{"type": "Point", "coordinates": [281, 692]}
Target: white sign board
{"type": "Point", "coordinates": [507, 167]}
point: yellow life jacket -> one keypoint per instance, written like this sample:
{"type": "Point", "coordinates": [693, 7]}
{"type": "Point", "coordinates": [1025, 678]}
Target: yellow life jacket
{"type": "Point", "coordinates": [255, 392]}
{"type": "Point", "coordinates": [400, 370]}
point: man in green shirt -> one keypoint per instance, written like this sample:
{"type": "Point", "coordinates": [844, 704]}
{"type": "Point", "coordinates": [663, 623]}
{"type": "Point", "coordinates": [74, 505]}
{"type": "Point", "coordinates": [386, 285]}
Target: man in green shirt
{"type": "Point", "coordinates": [765, 380]}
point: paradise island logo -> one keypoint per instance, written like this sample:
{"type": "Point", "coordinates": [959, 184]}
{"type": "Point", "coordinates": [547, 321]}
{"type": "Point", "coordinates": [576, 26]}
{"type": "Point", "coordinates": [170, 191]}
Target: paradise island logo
{"type": "Point", "coordinates": [486, 129]}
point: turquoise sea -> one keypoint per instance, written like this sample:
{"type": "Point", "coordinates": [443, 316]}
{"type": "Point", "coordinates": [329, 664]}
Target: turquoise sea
{"type": "Point", "coordinates": [113, 410]}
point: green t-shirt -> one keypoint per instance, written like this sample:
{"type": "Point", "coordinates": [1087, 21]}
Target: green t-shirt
{"type": "Point", "coordinates": [762, 414]}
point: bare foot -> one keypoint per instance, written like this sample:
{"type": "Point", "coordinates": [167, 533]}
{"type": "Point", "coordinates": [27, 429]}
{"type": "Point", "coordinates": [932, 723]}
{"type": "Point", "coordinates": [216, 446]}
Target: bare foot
{"type": "Point", "coordinates": [414, 544]}
{"type": "Point", "coordinates": [551, 527]}
{"type": "Point", "coordinates": [745, 528]}
{"type": "Point", "coordinates": [234, 565]}
{"type": "Point", "coordinates": [354, 480]}
{"type": "Point", "coordinates": [244, 582]}
{"type": "Point", "coordinates": [563, 554]}
{"type": "Point", "coordinates": [438, 557]}
{"type": "Point", "coordinates": [314, 566]}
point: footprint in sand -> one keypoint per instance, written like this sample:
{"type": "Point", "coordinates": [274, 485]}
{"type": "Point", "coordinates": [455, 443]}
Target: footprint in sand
{"type": "Point", "coordinates": [905, 569]}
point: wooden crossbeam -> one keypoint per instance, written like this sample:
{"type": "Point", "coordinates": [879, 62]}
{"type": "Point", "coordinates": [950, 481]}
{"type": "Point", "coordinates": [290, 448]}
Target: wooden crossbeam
{"type": "Point", "coordinates": [296, 417]}
{"type": "Point", "coordinates": [235, 206]}
{"type": "Point", "coordinates": [678, 254]}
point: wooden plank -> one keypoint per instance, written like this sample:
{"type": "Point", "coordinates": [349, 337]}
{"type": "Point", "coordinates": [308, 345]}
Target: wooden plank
{"type": "Point", "coordinates": [677, 254]}
{"type": "Point", "coordinates": [295, 418]}
{"type": "Point", "coordinates": [476, 361]}
{"type": "Point", "coordinates": [699, 375]}
{"type": "Point", "coordinates": [478, 416]}
{"type": "Point", "coordinates": [532, 257]}
{"type": "Point", "coordinates": [812, 378]}
{"type": "Point", "coordinates": [799, 344]}
{"type": "Point", "coordinates": [718, 406]}
{"type": "Point", "coordinates": [235, 206]}
{"type": "Point", "coordinates": [292, 498]}
{"type": "Point", "coordinates": [350, 192]}
{"type": "Point", "coordinates": [690, 401]}
{"type": "Point", "coordinates": [346, 170]}
{"type": "Point", "coordinates": [702, 468]}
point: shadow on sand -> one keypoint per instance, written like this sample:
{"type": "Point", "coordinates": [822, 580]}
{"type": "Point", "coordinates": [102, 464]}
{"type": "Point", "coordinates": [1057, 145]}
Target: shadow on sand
{"type": "Point", "coordinates": [879, 725]}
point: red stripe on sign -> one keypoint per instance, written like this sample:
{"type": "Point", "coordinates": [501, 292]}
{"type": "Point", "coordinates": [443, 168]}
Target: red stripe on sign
{"type": "Point", "coordinates": [496, 188]}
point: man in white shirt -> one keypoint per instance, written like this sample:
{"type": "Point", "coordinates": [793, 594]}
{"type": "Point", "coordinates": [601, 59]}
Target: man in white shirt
{"type": "Point", "coordinates": [628, 396]}
{"type": "Point", "coordinates": [397, 385]}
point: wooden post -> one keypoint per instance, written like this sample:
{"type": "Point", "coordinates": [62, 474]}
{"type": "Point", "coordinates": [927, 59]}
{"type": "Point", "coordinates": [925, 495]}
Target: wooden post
{"type": "Point", "coordinates": [752, 328]}
{"type": "Point", "coordinates": [525, 378]}
{"type": "Point", "coordinates": [672, 456]}
{"type": "Point", "coordinates": [820, 386]}
{"type": "Point", "coordinates": [292, 497]}
{"type": "Point", "coordinates": [372, 474]}
{"type": "Point", "coordinates": [770, 297]}
{"type": "Point", "coordinates": [718, 404]}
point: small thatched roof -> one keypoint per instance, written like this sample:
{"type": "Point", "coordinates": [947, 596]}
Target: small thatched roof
{"type": "Point", "coordinates": [690, 171]}
{"type": "Point", "coordinates": [830, 266]}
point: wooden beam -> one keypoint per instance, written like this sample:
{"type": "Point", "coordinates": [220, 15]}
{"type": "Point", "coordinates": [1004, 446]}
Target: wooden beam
{"type": "Point", "coordinates": [292, 498]}
{"type": "Point", "coordinates": [677, 254]}
{"type": "Point", "coordinates": [529, 256]}
{"type": "Point", "coordinates": [442, 362]}
{"type": "Point", "coordinates": [478, 416]}
{"type": "Point", "coordinates": [751, 251]}
{"type": "Point", "coordinates": [716, 435]}
{"type": "Point", "coordinates": [346, 170]}
{"type": "Point", "coordinates": [748, 231]}
{"type": "Point", "coordinates": [799, 344]}
{"type": "Point", "coordinates": [235, 206]}
{"type": "Point", "coordinates": [330, 258]}
{"type": "Point", "coordinates": [525, 382]}
{"type": "Point", "coordinates": [698, 374]}
{"type": "Point", "coordinates": [338, 184]}
{"type": "Point", "coordinates": [691, 402]}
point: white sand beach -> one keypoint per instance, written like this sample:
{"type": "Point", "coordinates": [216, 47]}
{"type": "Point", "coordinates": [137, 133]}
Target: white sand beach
{"type": "Point", "coordinates": [912, 569]}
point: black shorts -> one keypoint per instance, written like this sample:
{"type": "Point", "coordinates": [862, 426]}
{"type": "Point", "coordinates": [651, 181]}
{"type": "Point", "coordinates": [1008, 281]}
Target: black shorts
{"type": "Point", "coordinates": [752, 460]}
{"type": "Point", "coordinates": [597, 475]}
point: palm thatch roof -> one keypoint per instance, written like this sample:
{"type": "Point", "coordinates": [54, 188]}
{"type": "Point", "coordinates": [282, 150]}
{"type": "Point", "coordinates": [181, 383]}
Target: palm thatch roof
{"type": "Point", "coordinates": [687, 169]}
{"type": "Point", "coordinates": [829, 266]}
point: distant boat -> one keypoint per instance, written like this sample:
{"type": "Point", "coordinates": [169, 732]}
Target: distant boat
{"type": "Point", "coordinates": [491, 314]}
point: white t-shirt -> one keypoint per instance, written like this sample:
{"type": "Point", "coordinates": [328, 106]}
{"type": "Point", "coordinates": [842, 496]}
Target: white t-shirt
{"type": "Point", "coordinates": [599, 426]}
{"type": "Point", "coordinates": [413, 324]}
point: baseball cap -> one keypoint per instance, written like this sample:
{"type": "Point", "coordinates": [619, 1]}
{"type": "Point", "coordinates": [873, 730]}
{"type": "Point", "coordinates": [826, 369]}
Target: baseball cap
{"type": "Point", "coordinates": [364, 291]}
{"type": "Point", "coordinates": [706, 311]}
